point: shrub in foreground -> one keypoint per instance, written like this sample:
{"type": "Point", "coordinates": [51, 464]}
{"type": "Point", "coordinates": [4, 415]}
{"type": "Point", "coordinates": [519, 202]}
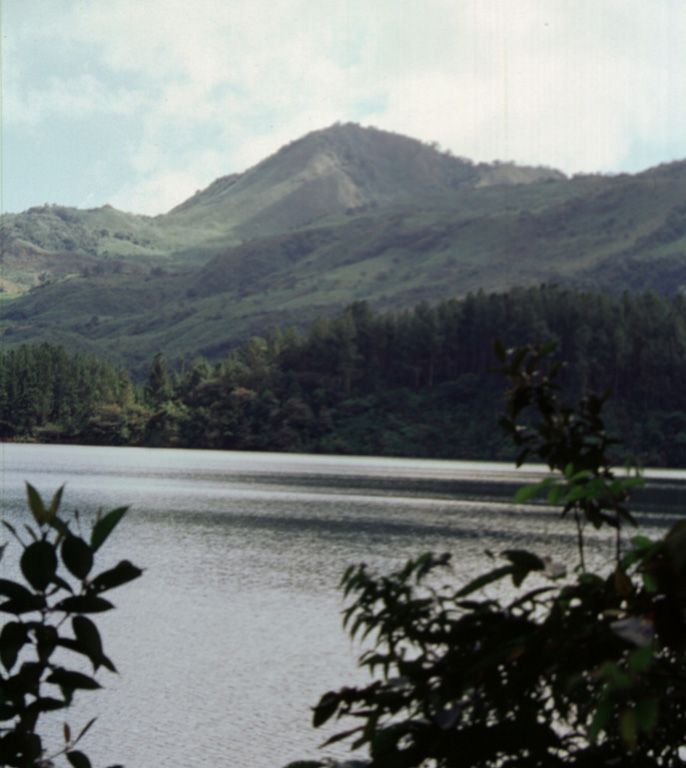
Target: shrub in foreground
{"type": "Point", "coordinates": [50, 606]}
{"type": "Point", "coordinates": [585, 670]}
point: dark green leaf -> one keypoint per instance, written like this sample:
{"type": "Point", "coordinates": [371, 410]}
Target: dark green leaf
{"type": "Point", "coordinates": [46, 704]}
{"type": "Point", "coordinates": [36, 505]}
{"type": "Point", "coordinates": [68, 679]}
{"type": "Point", "coordinates": [326, 707]}
{"type": "Point", "coordinates": [518, 575]}
{"type": "Point", "coordinates": [7, 712]}
{"type": "Point", "coordinates": [14, 589]}
{"type": "Point", "coordinates": [342, 735]}
{"type": "Point", "coordinates": [601, 720]}
{"type": "Point", "coordinates": [583, 475]}
{"type": "Point", "coordinates": [31, 532]}
{"type": "Point", "coordinates": [529, 491]}
{"type": "Point", "coordinates": [60, 526]}
{"type": "Point", "coordinates": [485, 580]}
{"type": "Point", "coordinates": [105, 526]}
{"type": "Point", "coordinates": [20, 748]}
{"type": "Point", "coordinates": [677, 529]}
{"type": "Point", "coordinates": [525, 560]}
{"type": "Point", "coordinates": [12, 639]}
{"type": "Point", "coordinates": [88, 636]}
{"type": "Point", "coordinates": [14, 533]}
{"type": "Point", "coordinates": [646, 714]}
{"type": "Point", "coordinates": [28, 677]}
{"type": "Point", "coordinates": [54, 504]}
{"type": "Point", "coordinates": [78, 759]}
{"type": "Point", "coordinates": [555, 494]}
{"type": "Point", "coordinates": [39, 564]}
{"type": "Point", "coordinates": [628, 727]}
{"type": "Point", "coordinates": [60, 582]}
{"type": "Point", "coordinates": [385, 741]}
{"type": "Point", "coordinates": [649, 582]}
{"type": "Point", "coordinates": [84, 604]}
{"type": "Point", "coordinates": [517, 358]}
{"type": "Point", "coordinates": [23, 604]}
{"type": "Point", "coordinates": [641, 658]}
{"type": "Point", "coordinates": [122, 573]}
{"type": "Point", "coordinates": [77, 556]}
{"type": "Point", "coordinates": [46, 640]}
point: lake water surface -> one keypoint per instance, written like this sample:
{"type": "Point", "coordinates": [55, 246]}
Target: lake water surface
{"type": "Point", "coordinates": [234, 631]}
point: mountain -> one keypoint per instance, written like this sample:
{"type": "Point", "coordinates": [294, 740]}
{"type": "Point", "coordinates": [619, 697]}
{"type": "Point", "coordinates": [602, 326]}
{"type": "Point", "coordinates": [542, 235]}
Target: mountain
{"type": "Point", "coordinates": [341, 214]}
{"type": "Point", "coordinates": [344, 168]}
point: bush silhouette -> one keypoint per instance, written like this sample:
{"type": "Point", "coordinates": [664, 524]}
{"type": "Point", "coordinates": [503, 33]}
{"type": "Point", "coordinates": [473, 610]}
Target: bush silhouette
{"type": "Point", "coordinates": [579, 670]}
{"type": "Point", "coordinates": [50, 609]}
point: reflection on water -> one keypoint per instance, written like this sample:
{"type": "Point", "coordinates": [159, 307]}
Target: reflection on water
{"type": "Point", "coordinates": [234, 631]}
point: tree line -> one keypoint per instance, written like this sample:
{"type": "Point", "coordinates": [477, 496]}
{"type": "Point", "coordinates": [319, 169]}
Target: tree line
{"type": "Point", "coordinates": [49, 394]}
{"type": "Point", "coordinates": [408, 382]}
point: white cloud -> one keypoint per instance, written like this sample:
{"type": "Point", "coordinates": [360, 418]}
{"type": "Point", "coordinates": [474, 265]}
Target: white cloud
{"type": "Point", "coordinates": [213, 87]}
{"type": "Point", "coordinates": [75, 98]}
{"type": "Point", "coordinates": [544, 84]}
{"type": "Point", "coordinates": [166, 187]}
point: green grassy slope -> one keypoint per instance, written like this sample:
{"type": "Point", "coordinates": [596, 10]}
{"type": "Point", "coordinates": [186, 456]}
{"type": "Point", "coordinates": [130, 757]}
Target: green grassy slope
{"type": "Point", "coordinates": [613, 233]}
{"type": "Point", "coordinates": [399, 223]}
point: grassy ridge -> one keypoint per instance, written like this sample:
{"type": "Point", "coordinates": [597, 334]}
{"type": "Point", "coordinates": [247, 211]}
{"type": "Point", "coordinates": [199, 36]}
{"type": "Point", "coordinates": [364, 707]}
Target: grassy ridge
{"type": "Point", "coordinates": [193, 282]}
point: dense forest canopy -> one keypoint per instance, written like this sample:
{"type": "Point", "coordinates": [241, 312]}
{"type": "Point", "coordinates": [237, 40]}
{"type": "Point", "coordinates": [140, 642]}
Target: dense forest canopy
{"type": "Point", "coordinates": [414, 382]}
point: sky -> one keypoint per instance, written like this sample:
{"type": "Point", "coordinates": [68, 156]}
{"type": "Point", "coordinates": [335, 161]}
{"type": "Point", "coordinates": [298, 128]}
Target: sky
{"type": "Point", "coordinates": [139, 103]}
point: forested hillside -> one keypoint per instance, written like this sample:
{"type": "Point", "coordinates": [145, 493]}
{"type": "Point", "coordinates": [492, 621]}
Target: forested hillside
{"type": "Point", "coordinates": [414, 382]}
{"type": "Point", "coordinates": [341, 215]}
{"type": "Point", "coordinates": [48, 394]}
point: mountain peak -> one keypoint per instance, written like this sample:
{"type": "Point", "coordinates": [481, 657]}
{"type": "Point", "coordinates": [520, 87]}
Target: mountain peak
{"type": "Point", "coordinates": [335, 169]}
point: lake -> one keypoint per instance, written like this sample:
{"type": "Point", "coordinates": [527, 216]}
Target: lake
{"type": "Point", "coordinates": [234, 630]}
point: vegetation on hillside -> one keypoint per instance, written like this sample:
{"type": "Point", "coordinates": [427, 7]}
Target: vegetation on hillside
{"type": "Point", "coordinates": [341, 215]}
{"type": "Point", "coordinates": [327, 172]}
{"type": "Point", "coordinates": [413, 383]}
